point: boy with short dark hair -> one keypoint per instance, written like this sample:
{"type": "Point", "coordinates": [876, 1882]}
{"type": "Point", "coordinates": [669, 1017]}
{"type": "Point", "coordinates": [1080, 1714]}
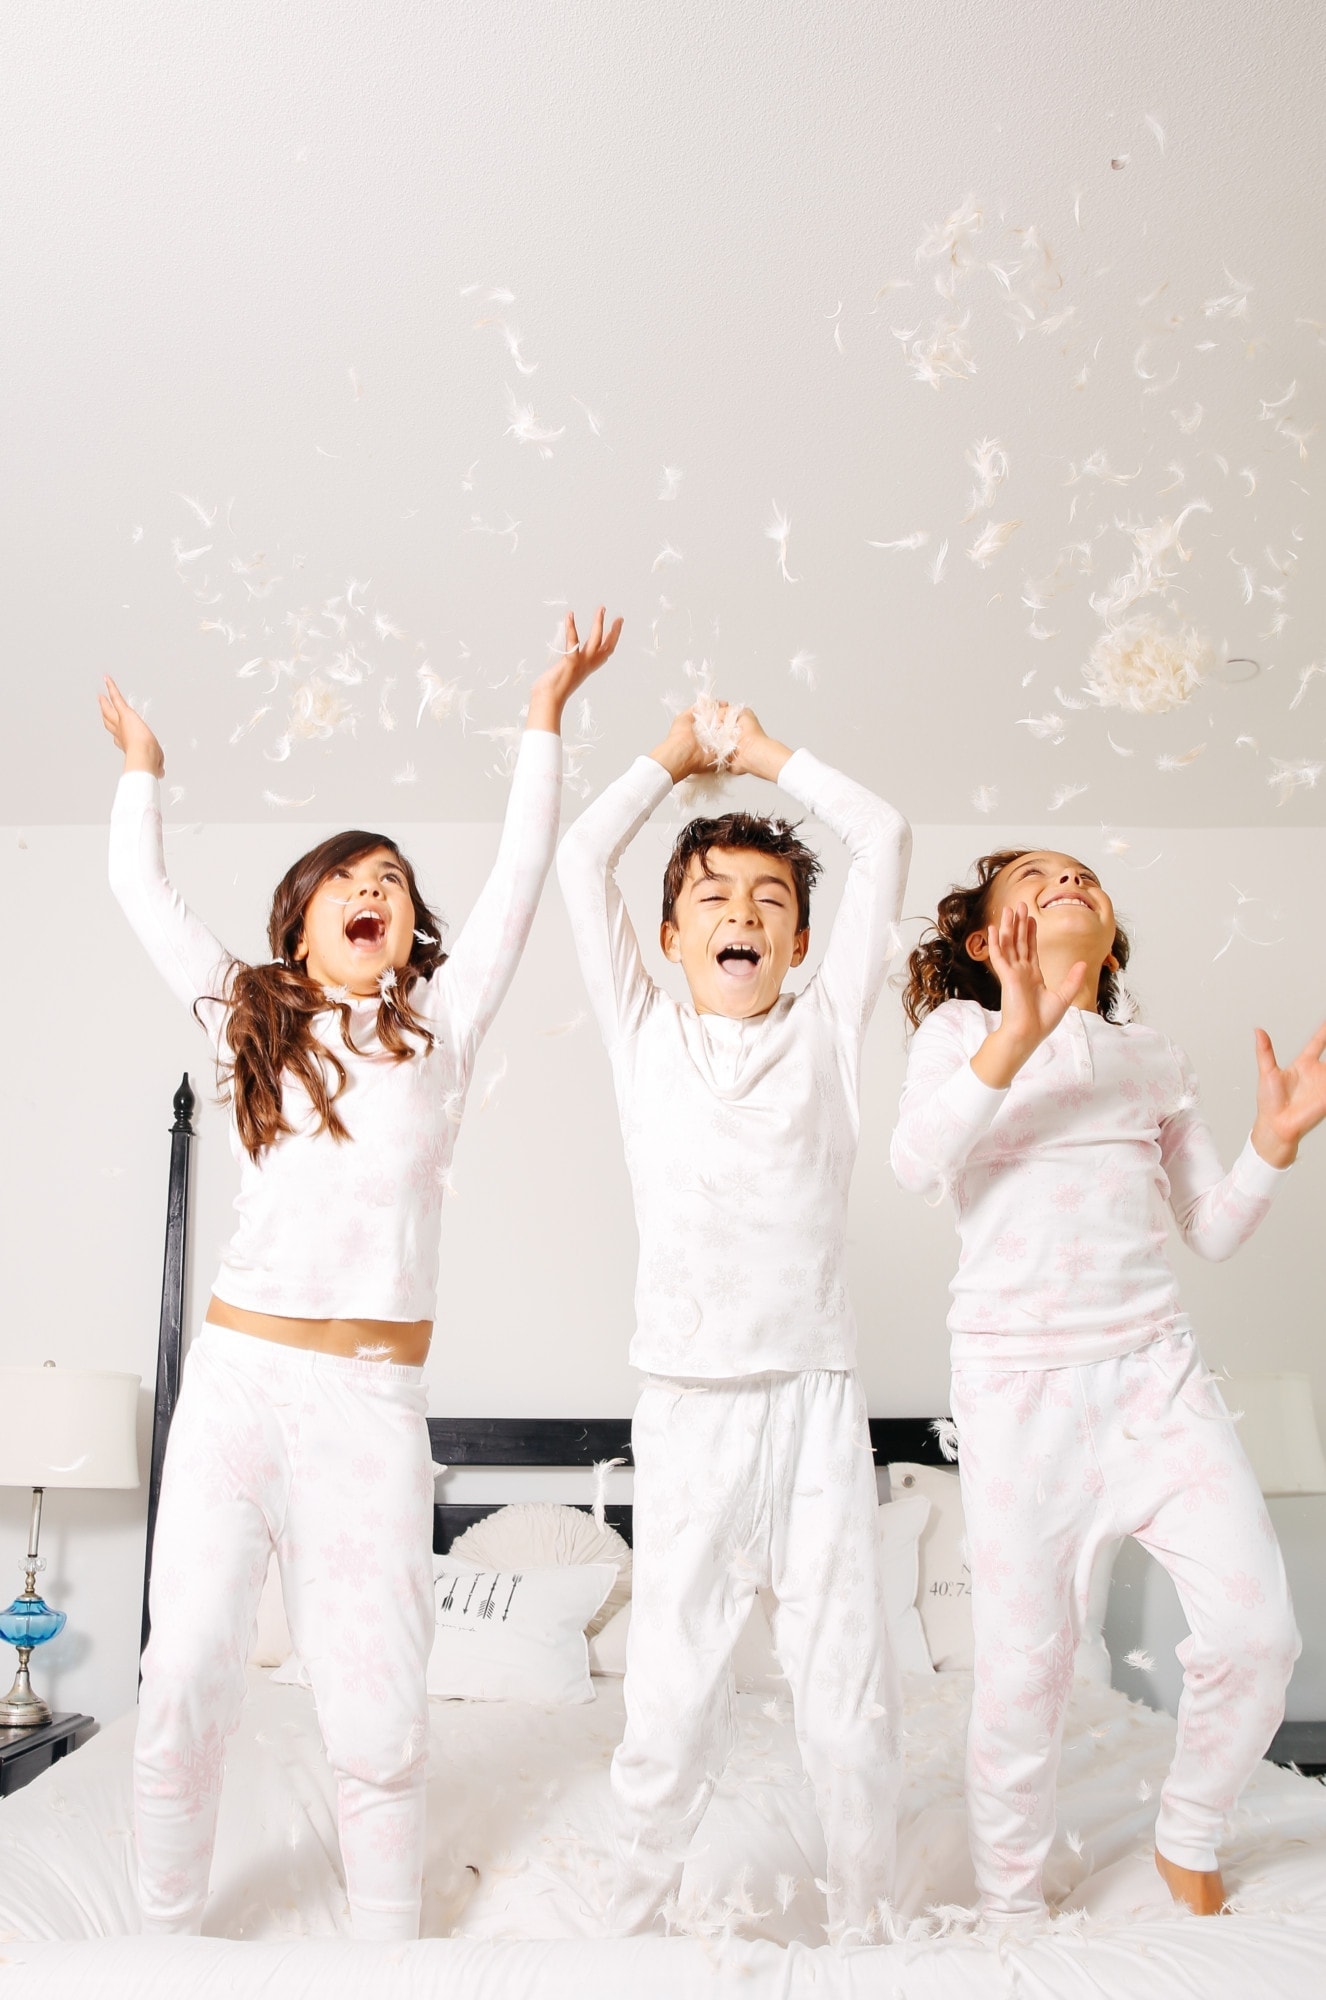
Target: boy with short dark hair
{"type": "Point", "coordinates": [751, 1446]}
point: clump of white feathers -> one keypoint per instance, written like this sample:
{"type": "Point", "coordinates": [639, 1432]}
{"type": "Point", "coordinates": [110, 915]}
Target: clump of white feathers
{"type": "Point", "coordinates": [1144, 666]}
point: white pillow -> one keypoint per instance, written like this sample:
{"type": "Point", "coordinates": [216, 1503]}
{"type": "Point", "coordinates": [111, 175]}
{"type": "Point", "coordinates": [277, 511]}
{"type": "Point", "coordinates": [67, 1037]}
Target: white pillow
{"type": "Point", "coordinates": [754, 1661]}
{"type": "Point", "coordinates": [543, 1534]}
{"type": "Point", "coordinates": [901, 1523]}
{"type": "Point", "coordinates": [944, 1596]}
{"type": "Point", "coordinates": [515, 1635]}
{"type": "Point", "coordinates": [271, 1635]}
{"type": "Point", "coordinates": [607, 1647]}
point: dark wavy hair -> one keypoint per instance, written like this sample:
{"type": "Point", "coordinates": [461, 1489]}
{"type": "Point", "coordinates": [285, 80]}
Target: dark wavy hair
{"type": "Point", "coordinates": [777, 837]}
{"type": "Point", "coordinates": [941, 968]}
{"type": "Point", "coordinates": [271, 1008]}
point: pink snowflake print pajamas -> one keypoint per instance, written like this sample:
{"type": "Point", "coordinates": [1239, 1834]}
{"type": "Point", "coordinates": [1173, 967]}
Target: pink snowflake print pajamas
{"type": "Point", "coordinates": [318, 1457]}
{"type": "Point", "coordinates": [1085, 1413]}
{"type": "Point", "coordinates": [752, 1459]}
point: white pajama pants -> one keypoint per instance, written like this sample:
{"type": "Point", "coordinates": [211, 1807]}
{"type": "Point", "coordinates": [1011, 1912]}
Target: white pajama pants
{"type": "Point", "coordinates": [326, 1460]}
{"type": "Point", "coordinates": [1054, 1463]}
{"type": "Point", "coordinates": [767, 1480]}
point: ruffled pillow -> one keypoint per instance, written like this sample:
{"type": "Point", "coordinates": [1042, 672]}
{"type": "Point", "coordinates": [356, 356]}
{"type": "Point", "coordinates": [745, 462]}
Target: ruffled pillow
{"type": "Point", "coordinates": [543, 1534]}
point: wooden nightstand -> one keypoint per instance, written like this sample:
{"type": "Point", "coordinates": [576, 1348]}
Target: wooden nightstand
{"type": "Point", "coordinates": [25, 1753]}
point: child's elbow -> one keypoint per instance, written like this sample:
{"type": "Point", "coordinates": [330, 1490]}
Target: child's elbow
{"type": "Point", "coordinates": [911, 1174]}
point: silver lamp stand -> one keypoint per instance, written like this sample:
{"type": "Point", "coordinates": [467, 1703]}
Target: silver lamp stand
{"type": "Point", "coordinates": [21, 1708]}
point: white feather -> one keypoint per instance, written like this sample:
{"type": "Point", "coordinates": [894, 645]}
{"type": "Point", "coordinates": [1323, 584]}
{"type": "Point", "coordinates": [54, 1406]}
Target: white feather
{"type": "Point", "coordinates": [1292, 774]}
{"type": "Point", "coordinates": [989, 461]}
{"type": "Point", "coordinates": [1047, 727]}
{"type": "Point", "coordinates": [778, 530]}
{"type": "Point", "coordinates": [602, 1468]}
{"type": "Point", "coordinates": [1142, 666]}
{"type": "Point", "coordinates": [993, 537]}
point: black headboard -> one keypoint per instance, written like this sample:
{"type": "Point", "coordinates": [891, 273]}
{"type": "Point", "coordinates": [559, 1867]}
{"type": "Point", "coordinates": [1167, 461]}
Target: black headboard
{"type": "Point", "coordinates": [531, 1442]}
{"type": "Point", "coordinates": [569, 1441]}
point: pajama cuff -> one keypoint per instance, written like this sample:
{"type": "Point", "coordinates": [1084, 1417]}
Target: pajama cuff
{"type": "Point", "coordinates": [1257, 1176]}
{"type": "Point", "coordinates": [970, 1101]}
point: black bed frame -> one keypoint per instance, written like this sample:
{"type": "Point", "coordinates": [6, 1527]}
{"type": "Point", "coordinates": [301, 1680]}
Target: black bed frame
{"type": "Point", "coordinates": [526, 1442]}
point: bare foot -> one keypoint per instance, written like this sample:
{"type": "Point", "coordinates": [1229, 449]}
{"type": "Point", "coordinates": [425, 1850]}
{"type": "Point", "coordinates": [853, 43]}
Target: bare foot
{"type": "Point", "coordinates": [1201, 1889]}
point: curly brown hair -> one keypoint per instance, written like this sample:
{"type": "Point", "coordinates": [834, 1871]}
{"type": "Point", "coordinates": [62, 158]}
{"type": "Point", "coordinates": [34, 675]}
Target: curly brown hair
{"type": "Point", "coordinates": [776, 837]}
{"type": "Point", "coordinates": [271, 1008]}
{"type": "Point", "coordinates": [941, 968]}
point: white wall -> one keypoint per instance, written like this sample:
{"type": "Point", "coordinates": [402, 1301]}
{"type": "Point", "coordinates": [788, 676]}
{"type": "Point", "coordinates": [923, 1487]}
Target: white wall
{"type": "Point", "coordinates": [538, 1247]}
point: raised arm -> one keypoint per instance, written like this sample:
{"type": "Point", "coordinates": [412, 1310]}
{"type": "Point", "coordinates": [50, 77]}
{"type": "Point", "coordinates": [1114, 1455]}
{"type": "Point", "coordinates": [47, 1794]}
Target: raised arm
{"type": "Point", "coordinates": [945, 1107]}
{"type": "Point", "coordinates": [191, 961]}
{"type": "Point", "coordinates": [879, 843]}
{"type": "Point", "coordinates": [1217, 1211]}
{"type": "Point", "coordinates": [480, 967]}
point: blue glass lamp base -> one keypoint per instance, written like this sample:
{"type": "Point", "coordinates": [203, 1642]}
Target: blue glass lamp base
{"type": "Point", "coordinates": [29, 1621]}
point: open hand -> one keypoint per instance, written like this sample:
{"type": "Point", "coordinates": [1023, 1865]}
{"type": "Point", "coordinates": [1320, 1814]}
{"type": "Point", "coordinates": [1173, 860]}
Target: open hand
{"type": "Point", "coordinates": [557, 683]}
{"type": "Point", "coordinates": [1290, 1101]}
{"type": "Point", "coordinates": [128, 731]}
{"type": "Point", "coordinates": [1030, 1011]}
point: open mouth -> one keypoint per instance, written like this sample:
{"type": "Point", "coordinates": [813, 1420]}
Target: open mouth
{"type": "Point", "coordinates": [739, 961]}
{"type": "Point", "coordinates": [367, 929]}
{"type": "Point", "coordinates": [1070, 902]}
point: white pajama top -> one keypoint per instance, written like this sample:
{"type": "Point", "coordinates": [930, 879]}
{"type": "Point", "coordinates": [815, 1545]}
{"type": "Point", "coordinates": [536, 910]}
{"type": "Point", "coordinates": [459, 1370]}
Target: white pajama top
{"type": "Point", "coordinates": [1061, 1182]}
{"type": "Point", "coordinates": [350, 1229]}
{"type": "Point", "coordinates": [740, 1135]}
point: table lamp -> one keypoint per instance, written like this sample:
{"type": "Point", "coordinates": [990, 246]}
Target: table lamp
{"type": "Point", "coordinates": [62, 1427]}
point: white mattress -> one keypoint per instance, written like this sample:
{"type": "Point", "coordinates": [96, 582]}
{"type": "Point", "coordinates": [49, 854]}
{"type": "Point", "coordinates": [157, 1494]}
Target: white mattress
{"type": "Point", "coordinates": [517, 1861]}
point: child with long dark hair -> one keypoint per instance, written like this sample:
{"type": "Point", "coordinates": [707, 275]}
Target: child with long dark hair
{"type": "Point", "coordinates": [301, 1421]}
{"type": "Point", "coordinates": [1083, 1407]}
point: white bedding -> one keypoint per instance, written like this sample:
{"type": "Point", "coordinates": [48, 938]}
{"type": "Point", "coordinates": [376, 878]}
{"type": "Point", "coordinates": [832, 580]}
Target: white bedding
{"type": "Point", "coordinates": [517, 1859]}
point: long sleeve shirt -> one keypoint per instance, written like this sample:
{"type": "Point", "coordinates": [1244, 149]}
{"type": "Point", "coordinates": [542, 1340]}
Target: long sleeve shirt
{"type": "Point", "coordinates": [740, 1135]}
{"type": "Point", "coordinates": [350, 1229]}
{"type": "Point", "coordinates": [1060, 1184]}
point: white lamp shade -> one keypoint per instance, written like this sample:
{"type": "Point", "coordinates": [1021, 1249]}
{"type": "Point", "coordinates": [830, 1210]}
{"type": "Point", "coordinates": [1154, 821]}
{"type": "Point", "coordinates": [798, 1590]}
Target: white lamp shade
{"type": "Point", "coordinates": [1278, 1430]}
{"type": "Point", "coordinates": [68, 1427]}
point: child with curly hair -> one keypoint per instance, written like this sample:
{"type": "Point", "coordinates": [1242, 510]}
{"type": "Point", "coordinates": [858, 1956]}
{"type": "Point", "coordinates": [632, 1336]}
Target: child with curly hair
{"type": "Point", "coordinates": [1083, 1407]}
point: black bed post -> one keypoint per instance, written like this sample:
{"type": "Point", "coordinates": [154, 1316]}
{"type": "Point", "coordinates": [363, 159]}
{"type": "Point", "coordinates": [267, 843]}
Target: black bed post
{"type": "Point", "coordinates": [170, 1334]}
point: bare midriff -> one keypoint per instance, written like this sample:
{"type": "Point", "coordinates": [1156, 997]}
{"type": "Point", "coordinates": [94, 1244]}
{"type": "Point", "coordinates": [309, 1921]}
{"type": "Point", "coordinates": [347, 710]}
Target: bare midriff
{"type": "Point", "coordinates": [404, 1342]}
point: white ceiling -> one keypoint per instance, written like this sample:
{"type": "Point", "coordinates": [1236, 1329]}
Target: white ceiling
{"type": "Point", "coordinates": [240, 250]}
